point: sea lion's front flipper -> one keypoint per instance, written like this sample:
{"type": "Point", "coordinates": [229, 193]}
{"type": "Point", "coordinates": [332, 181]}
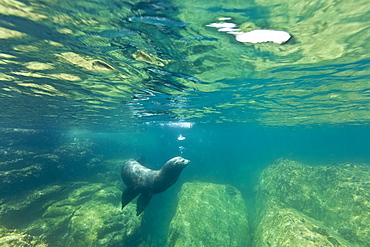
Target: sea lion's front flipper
{"type": "Point", "coordinates": [142, 161]}
{"type": "Point", "coordinates": [142, 202]}
{"type": "Point", "coordinates": [128, 195]}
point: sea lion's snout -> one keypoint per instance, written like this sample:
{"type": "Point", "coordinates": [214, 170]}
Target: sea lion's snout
{"type": "Point", "coordinates": [185, 161]}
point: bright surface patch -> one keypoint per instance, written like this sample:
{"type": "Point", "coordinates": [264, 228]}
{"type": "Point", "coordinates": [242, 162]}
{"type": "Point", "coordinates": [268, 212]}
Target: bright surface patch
{"type": "Point", "coordinates": [228, 29]}
{"type": "Point", "coordinates": [224, 18]}
{"type": "Point", "coordinates": [222, 24]}
{"type": "Point", "coordinates": [260, 36]}
{"type": "Point", "coordinates": [255, 36]}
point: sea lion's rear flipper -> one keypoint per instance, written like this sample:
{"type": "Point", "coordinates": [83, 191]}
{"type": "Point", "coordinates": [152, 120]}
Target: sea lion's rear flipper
{"type": "Point", "coordinates": [128, 195]}
{"type": "Point", "coordinates": [142, 202]}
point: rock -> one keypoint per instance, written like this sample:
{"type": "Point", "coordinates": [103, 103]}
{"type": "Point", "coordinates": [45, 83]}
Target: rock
{"type": "Point", "coordinates": [285, 226]}
{"type": "Point", "coordinates": [209, 215]}
{"type": "Point", "coordinates": [28, 140]}
{"type": "Point", "coordinates": [74, 153]}
{"type": "Point", "coordinates": [338, 197]}
{"type": "Point", "coordinates": [29, 169]}
{"type": "Point", "coordinates": [90, 215]}
{"type": "Point", "coordinates": [15, 238]}
{"type": "Point", "coordinates": [101, 224]}
{"type": "Point", "coordinates": [13, 179]}
{"type": "Point", "coordinates": [24, 207]}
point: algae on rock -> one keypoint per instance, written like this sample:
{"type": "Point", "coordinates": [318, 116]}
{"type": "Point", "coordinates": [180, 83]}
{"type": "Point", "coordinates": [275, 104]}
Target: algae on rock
{"type": "Point", "coordinates": [74, 214]}
{"type": "Point", "coordinates": [209, 215]}
{"type": "Point", "coordinates": [284, 226]}
{"type": "Point", "coordinates": [24, 168]}
{"type": "Point", "coordinates": [89, 216]}
{"type": "Point", "coordinates": [337, 196]}
{"type": "Point", "coordinates": [21, 209]}
{"type": "Point", "coordinates": [102, 224]}
{"type": "Point", "coordinates": [15, 238]}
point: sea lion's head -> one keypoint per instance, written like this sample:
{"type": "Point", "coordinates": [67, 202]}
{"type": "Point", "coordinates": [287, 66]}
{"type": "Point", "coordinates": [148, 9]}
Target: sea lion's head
{"type": "Point", "coordinates": [175, 164]}
{"type": "Point", "coordinates": [171, 171]}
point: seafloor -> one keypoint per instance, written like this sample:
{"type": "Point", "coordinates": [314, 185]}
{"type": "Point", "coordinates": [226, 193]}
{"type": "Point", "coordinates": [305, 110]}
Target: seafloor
{"type": "Point", "coordinates": [69, 195]}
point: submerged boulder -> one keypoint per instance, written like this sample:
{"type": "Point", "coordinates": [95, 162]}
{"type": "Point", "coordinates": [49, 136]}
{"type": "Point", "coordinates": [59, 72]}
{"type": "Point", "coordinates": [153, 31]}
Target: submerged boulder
{"type": "Point", "coordinates": [333, 201]}
{"type": "Point", "coordinates": [101, 224]}
{"type": "Point", "coordinates": [209, 215]}
{"type": "Point", "coordinates": [89, 216]}
{"type": "Point", "coordinates": [30, 168]}
{"type": "Point", "coordinates": [22, 208]}
{"type": "Point", "coordinates": [284, 226]}
{"type": "Point", "coordinates": [74, 214]}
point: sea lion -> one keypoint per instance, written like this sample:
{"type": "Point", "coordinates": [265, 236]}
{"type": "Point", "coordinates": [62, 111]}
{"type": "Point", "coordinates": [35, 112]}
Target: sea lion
{"type": "Point", "coordinates": [144, 181]}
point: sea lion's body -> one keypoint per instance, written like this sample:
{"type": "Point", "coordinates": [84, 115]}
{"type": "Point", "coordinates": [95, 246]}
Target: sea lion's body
{"type": "Point", "coordinates": [146, 182]}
